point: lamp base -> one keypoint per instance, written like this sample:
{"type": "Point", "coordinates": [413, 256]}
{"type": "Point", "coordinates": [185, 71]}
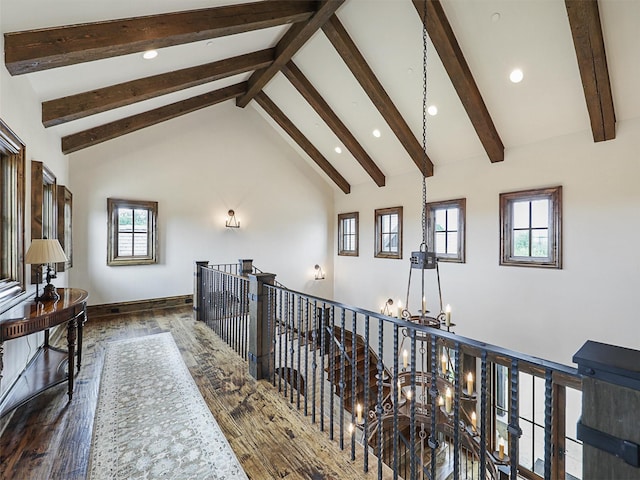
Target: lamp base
{"type": "Point", "coordinates": [49, 294]}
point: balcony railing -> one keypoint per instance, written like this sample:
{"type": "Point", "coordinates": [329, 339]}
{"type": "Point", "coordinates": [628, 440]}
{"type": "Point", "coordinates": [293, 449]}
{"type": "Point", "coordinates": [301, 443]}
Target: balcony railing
{"type": "Point", "coordinates": [424, 401]}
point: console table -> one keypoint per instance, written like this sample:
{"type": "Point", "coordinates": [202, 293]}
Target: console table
{"type": "Point", "coordinates": [47, 367]}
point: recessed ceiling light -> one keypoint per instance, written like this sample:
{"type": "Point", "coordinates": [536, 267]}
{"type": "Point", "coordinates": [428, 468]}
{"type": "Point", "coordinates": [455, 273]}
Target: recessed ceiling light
{"type": "Point", "coordinates": [495, 18]}
{"type": "Point", "coordinates": [432, 110]}
{"type": "Point", "coordinates": [516, 75]}
{"type": "Point", "coordinates": [376, 133]}
{"type": "Point", "coordinates": [338, 150]}
{"type": "Point", "coordinates": [149, 54]}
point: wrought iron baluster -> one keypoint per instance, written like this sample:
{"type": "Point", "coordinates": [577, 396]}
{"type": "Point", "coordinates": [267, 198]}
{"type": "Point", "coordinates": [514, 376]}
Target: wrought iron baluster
{"type": "Point", "coordinates": [367, 388]}
{"type": "Point", "coordinates": [396, 399]}
{"type": "Point", "coordinates": [514, 428]}
{"type": "Point", "coordinates": [332, 371]}
{"type": "Point", "coordinates": [299, 359]}
{"type": "Point", "coordinates": [548, 402]}
{"type": "Point", "coordinates": [483, 415]}
{"type": "Point", "coordinates": [342, 373]}
{"type": "Point", "coordinates": [433, 391]}
{"type": "Point", "coordinates": [412, 406]}
{"type": "Point", "coordinates": [456, 411]}
{"type": "Point", "coordinates": [380, 388]}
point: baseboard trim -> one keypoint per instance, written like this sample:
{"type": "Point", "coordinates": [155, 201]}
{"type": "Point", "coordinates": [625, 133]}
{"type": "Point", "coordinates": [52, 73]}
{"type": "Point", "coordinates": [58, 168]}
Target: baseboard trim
{"type": "Point", "coordinates": [110, 309]}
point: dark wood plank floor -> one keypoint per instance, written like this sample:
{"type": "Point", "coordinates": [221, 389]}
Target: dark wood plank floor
{"type": "Point", "coordinates": [50, 438]}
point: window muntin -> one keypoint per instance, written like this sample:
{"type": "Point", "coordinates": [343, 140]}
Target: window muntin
{"type": "Point", "coordinates": [12, 194]}
{"type": "Point", "coordinates": [446, 229]}
{"type": "Point", "coordinates": [132, 232]}
{"type": "Point", "coordinates": [531, 228]}
{"type": "Point", "coordinates": [348, 234]}
{"type": "Point", "coordinates": [388, 236]}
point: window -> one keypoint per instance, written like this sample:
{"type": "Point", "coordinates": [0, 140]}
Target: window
{"type": "Point", "coordinates": [12, 194]}
{"type": "Point", "coordinates": [388, 238]}
{"type": "Point", "coordinates": [132, 232]}
{"type": "Point", "coordinates": [531, 228]}
{"type": "Point", "coordinates": [44, 222]}
{"type": "Point", "coordinates": [348, 234]}
{"type": "Point", "coordinates": [445, 229]}
{"type": "Point", "coordinates": [65, 201]}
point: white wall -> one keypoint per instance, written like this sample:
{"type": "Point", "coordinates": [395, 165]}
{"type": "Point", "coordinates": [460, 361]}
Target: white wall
{"type": "Point", "coordinates": [546, 313]}
{"type": "Point", "coordinates": [20, 110]}
{"type": "Point", "coordinates": [197, 167]}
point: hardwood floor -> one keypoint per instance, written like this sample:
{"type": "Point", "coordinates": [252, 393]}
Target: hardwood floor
{"type": "Point", "coordinates": [50, 438]}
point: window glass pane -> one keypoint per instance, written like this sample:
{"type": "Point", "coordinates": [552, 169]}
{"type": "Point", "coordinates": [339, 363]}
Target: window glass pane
{"type": "Point", "coordinates": [540, 213]}
{"type": "Point", "coordinates": [349, 243]}
{"type": "Point", "coordinates": [441, 219]}
{"type": "Point", "coordinates": [452, 214]}
{"type": "Point", "coordinates": [125, 220]}
{"type": "Point", "coordinates": [538, 401]}
{"type": "Point", "coordinates": [538, 450]}
{"type": "Point", "coordinates": [521, 243]}
{"type": "Point", "coordinates": [141, 220]}
{"type": "Point", "coordinates": [526, 445]}
{"type": "Point", "coordinates": [393, 222]}
{"type": "Point", "coordinates": [573, 458]}
{"type": "Point", "coordinates": [125, 245]}
{"type": "Point", "coordinates": [140, 243]}
{"type": "Point", "coordinates": [452, 243]}
{"type": "Point", "coordinates": [525, 384]}
{"type": "Point", "coordinates": [441, 238]}
{"type": "Point", "coordinates": [521, 214]}
{"type": "Point", "coordinates": [540, 242]}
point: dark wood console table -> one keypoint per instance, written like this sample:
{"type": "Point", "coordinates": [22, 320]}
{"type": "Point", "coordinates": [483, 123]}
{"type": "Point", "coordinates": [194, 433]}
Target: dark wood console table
{"type": "Point", "coordinates": [47, 367]}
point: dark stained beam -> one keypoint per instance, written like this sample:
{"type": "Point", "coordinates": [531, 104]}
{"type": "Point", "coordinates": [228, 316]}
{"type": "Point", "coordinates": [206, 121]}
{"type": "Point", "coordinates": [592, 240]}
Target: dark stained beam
{"type": "Point", "coordinates": [109, 131]}
{"type": "Point", "coordinates": [445, 43]}
{"type": "Point", "coordinates": [73, 107]}
{"type": "Point", "coordinates": [35, 50]}
{"type": "Point", "coordinates": [347, 49]}
{"type": "Point", "coordinates": [584, 19]}
{"type": "Point", "coordinates": [308, 91]}
{"type": "Point", "coordinates": [289, 44]}
{"type": "Point", "coordinates": [281, 119]}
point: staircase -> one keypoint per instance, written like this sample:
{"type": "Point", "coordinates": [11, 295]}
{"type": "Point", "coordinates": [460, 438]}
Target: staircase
{"type": "Point", "coordinates": [364, 377]}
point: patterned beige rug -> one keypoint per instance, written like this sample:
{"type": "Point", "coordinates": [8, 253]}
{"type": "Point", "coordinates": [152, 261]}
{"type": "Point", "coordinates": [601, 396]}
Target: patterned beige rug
{"type": "Point", "coordinates": [151, 421]}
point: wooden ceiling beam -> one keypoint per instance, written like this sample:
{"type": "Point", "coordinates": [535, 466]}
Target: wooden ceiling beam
{"type": "Point", "coordinates": [281, 119]}
{"type": "Point", "coordinates": [35, 50]}
{"type": "Point", "coordinates": [446, 44]}
{"type": "Point", "coordinates": [73, 107]}
{"type": "Point", "coordinates": [347, 49]}
{"type": "Point", "coordinates": [288, 46]}
{"type": "Point", "coordinates": [109, 131]}
{"type": "Point", "coordinates": [586, 30]}
{"type": "Point", "coordinates": [308, 91]}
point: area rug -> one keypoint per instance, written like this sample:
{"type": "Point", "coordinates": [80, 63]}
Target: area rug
{"type": "Point", "coordinates": [151, 421]}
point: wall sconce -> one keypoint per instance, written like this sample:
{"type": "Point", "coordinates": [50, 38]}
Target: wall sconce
{"type": "Point", "coordinates": [386, 310]}
{"type": "Point", "coordinates": [232, 222]}
{"type": "Point", "coordinates": [319, 272]}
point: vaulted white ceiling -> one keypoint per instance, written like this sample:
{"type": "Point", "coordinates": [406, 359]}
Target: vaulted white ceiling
{"type": "Point", "coordinates": [494, 36]}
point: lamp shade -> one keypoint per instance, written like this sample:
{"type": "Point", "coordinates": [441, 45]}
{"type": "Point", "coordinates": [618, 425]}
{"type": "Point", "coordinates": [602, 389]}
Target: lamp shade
{"type": "Point", "coordinates": [45, 251]}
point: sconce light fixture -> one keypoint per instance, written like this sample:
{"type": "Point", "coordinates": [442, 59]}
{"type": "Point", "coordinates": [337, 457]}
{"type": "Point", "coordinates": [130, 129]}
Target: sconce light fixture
{"type": "Point", "coordinates": [319, 272]}
{"type": "Point", "coordinates": [386, 310]}
{"type": "Point", "coordinates": [232, 222]}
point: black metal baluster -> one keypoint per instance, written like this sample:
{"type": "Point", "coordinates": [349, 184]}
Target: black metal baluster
{"type": "Point", "coordinates": [483, 415]}
{"type": "Point", "coordinates": [354, 379]}
{"type": "Point", "coordinates": [300, 337]}
{"type": "Point", "coordinates": [308, 336]}
{"type": "Point", "coordinates": [379, 402]}
{"type": "Point", "coordinates": [412, 410]}
{"type": "Point", "coordinates": [514, 428]}
{"type": "Point", "coordinates": [456, 411]}
{"type": "Point", "coordinates": [433, 391]}
{"type": "Point", "coordinates": [342, 373]}
{"type": "Point", "coordinates": [396, 400]}
{"type": "Point", "coordinates": [314, 366]}
{"type": "Point", "coordinates": [332, 370]}
{"type": "Point", "coordinates": [280, 333]}
{"type": "Point", "coordinates": [367, 387]}
{"type": "Point", "coordinates": [548, 402]}
{"type": "Point", "coordinates": [323, 343]}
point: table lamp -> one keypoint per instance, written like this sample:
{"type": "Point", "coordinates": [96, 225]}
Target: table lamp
{"type": "Point", "coordinates": [45, 251]}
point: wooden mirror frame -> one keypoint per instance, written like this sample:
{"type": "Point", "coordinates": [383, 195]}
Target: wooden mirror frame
{"type": "Point", "coordinates": [65, 222]}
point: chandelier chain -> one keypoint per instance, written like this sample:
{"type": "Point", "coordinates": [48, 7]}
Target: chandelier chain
{"type": "Point", "coordinates": [424, 124]}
